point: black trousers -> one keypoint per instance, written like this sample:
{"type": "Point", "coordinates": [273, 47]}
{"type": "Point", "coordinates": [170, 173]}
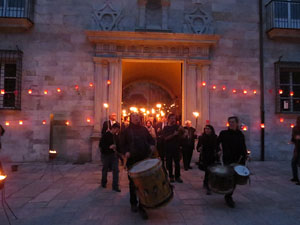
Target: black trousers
{"type": "Point", "coordinates": [110, 161]}
{"type": "Point", "coordinates": [295, 163]}
{"type": "Point", "coordinates": [173, 155]}
{"type": "Point", "coordinates": [187, 153]}
{"type": "Point", "coordinates": [132, 191]}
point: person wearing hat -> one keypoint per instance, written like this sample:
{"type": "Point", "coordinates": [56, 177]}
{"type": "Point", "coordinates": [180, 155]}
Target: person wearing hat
{"type": "Point", "coordinates": [110, 150]}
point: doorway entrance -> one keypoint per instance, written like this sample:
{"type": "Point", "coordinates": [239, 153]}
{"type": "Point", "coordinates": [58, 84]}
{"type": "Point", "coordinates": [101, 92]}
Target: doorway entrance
{"type": "Point", "coordinates": [152, 88]}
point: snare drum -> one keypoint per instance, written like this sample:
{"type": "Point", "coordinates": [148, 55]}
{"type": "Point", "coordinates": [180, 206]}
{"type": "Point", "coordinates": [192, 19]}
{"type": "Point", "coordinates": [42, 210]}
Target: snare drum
{"type": "Point", "coordinates": [152, 184]}
{"type": "Point", "coordinates": [242, 174]}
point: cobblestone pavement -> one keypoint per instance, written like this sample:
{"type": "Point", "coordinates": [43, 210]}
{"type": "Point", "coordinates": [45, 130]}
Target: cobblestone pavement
{"type": "Point", "coordinates": [76, 198]}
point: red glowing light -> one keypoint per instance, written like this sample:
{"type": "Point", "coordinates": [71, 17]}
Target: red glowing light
{"type": "Point", "coordinates": [214, 87]}
{"type": "Point", "coordinates": [292, 125]}
{"type": "Point", "coordinates": [262, 125]}
{"type": "Point", "coordinates": [45, 92]}
{"type": "Point", "coordinates": [76, 87]}
{"type": "Point", "coordinates": [234, 91]}
{"type": "Point", "coordinates": [88, 120]}
{"type": "Point", "coordinates": [6, 123]}
{"type": "Point", "coordinates": [20, 122]}
{"type": "Point", "coordinates": [224, 88]}
{"type": "Point", "coordinates": [58, 90]}
{"type": "Point", "coordinates": [91, 84]}
{"type": "Point", "coordinates": [245, 92]}
{"type": "Point", "coordinates": [30, 91]}
{"type": "Point", "coordinates": [108, 82]}
{"type": "Point", "coordinates": [67, 122]}
{"type": "Point", "coordinates": [44, 122]}
{"type": "Point", "coordinates": [291, 93]}
{"type": "Point", "coordinates": [280, 91]}
{"type": "Point", "coordinates": [227, 124]}
{"type": "Point", "coordinates": [281, 120]}
{"type": "Point", "coordinates": [245, 128]}
{"type": "Point", "coordinates": [203, 83]}
{"type": "Point", "coordinates": [2, 91]}
{"type": "Point", "coordinates": [254, 92]}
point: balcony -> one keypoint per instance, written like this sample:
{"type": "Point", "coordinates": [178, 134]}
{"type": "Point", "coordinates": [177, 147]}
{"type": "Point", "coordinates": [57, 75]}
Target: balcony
{"type": "Point", "coordinates": [16, 15]}
{"type": "Point", "coordinates": [283, 19]}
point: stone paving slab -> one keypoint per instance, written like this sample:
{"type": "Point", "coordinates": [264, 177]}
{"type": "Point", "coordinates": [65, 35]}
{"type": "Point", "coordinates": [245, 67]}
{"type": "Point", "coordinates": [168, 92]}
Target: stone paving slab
{"type": "Point", "coordinates": [76, 198]}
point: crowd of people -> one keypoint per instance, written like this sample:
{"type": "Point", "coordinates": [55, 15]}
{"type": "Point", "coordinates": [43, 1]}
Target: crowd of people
{"type": "Point", "coordinates": [135, 140]}
{"type": "Point", "coordinates": [171, 142]}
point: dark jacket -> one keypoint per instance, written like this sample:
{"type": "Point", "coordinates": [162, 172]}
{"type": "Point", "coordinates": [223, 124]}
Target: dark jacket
{"type": "Point", "coordinates": [2, 131]}
{"type": "Point", "coordinates": [174, 143]}
{"type": "Point", "coordinates": [106, 141]}
{"type": "Point", "coordinates": [106, 126]}
{"type": "Point", "coordinates": [209, 144]}
{"type": "Point", "coordinates": [233, 145]}
{"type": "Point", "coordinates": [189, 140]}
{"type": "Point", "coordinates": [136, 140]}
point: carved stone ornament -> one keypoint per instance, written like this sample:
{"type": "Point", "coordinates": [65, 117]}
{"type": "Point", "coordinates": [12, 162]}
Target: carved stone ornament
{"type": "Point", "coordinates": [107, 18]}
{"type": "Point", "coordinates": [198, 21]}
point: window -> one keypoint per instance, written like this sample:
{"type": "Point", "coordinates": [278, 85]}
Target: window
{"type": "Point", "coordinates": [10, 79]}
{"type": "Point", "coordinates": [288, 86]}
{"type": "Point", "coordinates": [12, 8]}
{"type": "Point", "coordinates": [287, 14]}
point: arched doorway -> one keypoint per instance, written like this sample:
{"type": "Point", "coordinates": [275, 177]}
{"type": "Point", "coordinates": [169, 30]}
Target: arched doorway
{"type": "Point", "coordinates": [147, 84]}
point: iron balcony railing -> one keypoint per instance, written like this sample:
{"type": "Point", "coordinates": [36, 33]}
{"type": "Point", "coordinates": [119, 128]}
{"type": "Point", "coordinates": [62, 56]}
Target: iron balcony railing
{"type": "Point", "coordinates": [283, 14]}
{"type": "Point", "coordinates": [17, 9]}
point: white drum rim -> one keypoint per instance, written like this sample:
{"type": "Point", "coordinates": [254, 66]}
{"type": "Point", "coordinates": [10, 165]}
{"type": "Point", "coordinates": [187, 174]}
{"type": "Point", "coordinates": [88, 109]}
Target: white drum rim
{"type": "Point", "coordinates": [140, 166]}
{"type": "Point", "coordinates": [242, 170]}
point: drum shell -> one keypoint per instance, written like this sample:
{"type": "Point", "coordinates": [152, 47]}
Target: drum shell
{"type": "Point", "coordinates": [221, 183]}
{"type": "Point", "coordinates": [240, 180]}
{"type": "Point", "coordinates": [153, 187]}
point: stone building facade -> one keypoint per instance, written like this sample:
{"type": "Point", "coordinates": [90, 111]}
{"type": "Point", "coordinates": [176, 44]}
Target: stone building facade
{"type": "Point", "coordinates": [77, 46]}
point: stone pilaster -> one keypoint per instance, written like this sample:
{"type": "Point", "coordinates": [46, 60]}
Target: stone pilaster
{"type": "Point", "coordinates": [142, 13]}
{"type": "Point", "coordinates": [165, 13]}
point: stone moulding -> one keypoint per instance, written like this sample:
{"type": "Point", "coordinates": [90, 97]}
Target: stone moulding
{"type": "Point", "coordinates": [128, 44]}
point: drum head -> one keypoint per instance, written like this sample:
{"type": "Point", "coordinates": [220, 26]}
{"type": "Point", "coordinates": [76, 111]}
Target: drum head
{"type": "Point", "coordinates": [242, 170]}
{"type": "Point", "coordinates": [144, 165]}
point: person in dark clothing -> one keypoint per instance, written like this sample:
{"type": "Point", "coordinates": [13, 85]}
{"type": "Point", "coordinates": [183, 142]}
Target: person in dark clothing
{"type": "Point", "coordinates": [296, 155]}
{"type": "Point", "coordinates": [188, 144]}
{"type": "Point", "coordinates": [160, 140]}
{"type": "Point", "coordinates": [137, 145]}
{"type": "Point", "coordinates": [108, 124]}
{"type": "Point", "coordinates": [208, 148]}
{"type": "Point", "coordinates": [1, 134]}
{"type": "Point", "coordinates": [233, 149]}
{"type": "Point", "coordinates": [172, 134]}
{"type": "Point", "coordinates": [109, 152]}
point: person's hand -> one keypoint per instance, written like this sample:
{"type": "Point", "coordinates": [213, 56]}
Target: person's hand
{"type": "Point", "coordinates": [113, 147]}
{"type": "Point", "coordinates": [127, 155]}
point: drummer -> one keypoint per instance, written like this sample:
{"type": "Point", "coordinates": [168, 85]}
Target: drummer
{"type": "Point", "coordinates": [137, 145]}
{"type": "Point", "coordinates": [233, 149]}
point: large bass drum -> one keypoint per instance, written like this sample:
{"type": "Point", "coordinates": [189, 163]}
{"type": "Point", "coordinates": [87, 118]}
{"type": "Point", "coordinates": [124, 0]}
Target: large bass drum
{"type": "Point", "coordinates": [153, 187]}
{"type": "Point", "coordinates": [221, 179]}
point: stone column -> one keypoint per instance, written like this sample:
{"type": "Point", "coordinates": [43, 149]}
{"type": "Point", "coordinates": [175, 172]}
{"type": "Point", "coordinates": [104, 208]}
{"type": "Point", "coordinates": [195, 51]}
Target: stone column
{"type": "Point", "coordinates": [165, 13]}
{"type": "Point", "coordinates": [190, 88]}
{"type": "Point", "coordinates": [142, 13]}
{"type": "Point", "coordinates": [101, 75]}
{"type": "Point", "coordinates": [105, 69]}
{"type": "Point", "coordinates": [204, 77]}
